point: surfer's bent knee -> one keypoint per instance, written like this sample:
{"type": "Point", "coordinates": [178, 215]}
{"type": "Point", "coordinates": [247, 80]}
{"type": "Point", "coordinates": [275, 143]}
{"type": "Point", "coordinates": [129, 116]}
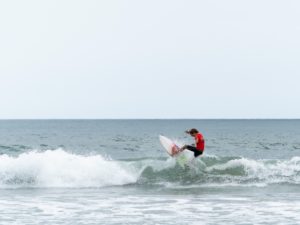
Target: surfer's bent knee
{"type": "Point", "coordinates": [196, 151]}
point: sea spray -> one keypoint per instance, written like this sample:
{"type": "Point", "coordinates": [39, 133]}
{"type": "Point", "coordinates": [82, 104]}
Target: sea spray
{"type": "Point", "coordinates": [59, 168]}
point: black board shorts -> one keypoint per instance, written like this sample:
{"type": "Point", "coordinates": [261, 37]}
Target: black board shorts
{"type": "Point", "coordinates": [196, 151]}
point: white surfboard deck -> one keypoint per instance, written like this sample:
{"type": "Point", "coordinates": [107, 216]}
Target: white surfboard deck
{"type": "Point", "coordinates": [172, 149]}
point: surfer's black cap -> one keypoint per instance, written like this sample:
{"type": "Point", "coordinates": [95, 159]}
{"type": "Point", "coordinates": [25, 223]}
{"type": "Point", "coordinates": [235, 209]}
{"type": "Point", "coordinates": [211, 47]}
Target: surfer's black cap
{"type": "Point", "coordinates": [192, 131]}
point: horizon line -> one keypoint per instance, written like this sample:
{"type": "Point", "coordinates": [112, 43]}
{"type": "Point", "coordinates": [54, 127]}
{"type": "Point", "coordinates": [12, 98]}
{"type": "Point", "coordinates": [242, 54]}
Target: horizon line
{"type": "Point", "coordinates": [149, 118]}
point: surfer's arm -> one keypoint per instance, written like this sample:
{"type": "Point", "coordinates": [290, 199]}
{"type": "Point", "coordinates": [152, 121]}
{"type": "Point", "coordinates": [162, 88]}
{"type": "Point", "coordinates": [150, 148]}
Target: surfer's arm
{"type": "Point", "coordinates": [196, 141]}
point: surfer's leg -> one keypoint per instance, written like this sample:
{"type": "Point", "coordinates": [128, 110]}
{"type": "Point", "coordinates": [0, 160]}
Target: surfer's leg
{"type": "Point", "coordinates": [197, 153]}
{"type": "Point", "coordinates": [191, 148]}
{"type": "Point", "coordinates": [195, 150]}
{"type": "Point", "coordinates": [183, 148]}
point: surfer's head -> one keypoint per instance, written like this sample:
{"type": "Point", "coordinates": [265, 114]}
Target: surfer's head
{"type": "Point", "coordinates": [192, 132]}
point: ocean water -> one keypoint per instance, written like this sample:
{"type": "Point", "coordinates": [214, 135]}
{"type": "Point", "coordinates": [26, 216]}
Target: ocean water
{"type": "Point", "coordinates": [116, 172]}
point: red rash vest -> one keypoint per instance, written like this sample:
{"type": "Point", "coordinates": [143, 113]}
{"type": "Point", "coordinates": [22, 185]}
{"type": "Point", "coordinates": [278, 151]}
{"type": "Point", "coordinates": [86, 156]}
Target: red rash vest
{"type": "Point", "coordinates": [201, 142]}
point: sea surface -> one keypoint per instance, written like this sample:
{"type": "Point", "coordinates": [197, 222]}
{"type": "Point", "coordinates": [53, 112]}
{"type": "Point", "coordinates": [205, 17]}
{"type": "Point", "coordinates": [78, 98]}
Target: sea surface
{"type": "Point", "coordinates": [116, 172]}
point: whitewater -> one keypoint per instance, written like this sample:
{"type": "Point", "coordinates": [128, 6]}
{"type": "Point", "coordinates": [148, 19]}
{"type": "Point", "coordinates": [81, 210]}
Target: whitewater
{"type": "Point", "coordinates": [115, 172]}
{"type": "Point", "coordinates": [58, 168]}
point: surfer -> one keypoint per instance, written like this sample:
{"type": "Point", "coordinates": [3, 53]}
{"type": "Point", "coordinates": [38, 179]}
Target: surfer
{"type": "Point", "coordinates": [199, 142]}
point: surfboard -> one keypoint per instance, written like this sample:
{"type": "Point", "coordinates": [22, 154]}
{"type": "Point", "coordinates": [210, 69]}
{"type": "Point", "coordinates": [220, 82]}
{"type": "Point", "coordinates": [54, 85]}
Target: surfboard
{"type": "Point", "coordinates": [173, 150]}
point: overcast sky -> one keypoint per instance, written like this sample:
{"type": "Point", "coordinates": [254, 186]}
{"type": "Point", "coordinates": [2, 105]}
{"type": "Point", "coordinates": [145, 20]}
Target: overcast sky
{"type": "Point", "coordinates": [150, 59]}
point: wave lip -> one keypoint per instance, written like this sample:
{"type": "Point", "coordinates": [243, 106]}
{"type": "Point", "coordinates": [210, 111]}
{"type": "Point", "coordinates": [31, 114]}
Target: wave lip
{"type": "Point", "coordinates": [59, 168]}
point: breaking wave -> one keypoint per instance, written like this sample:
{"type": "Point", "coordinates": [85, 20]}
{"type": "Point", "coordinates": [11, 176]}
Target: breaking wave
{"type": "Point", "coordinates": [58, 168]}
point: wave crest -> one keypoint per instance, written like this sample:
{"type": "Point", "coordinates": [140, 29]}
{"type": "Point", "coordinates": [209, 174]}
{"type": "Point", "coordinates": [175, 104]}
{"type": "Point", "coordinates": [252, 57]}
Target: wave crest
{"type": "Point", "coordinates": [58, 168]}
{"type": "Point", "coordinates": [230, 171]}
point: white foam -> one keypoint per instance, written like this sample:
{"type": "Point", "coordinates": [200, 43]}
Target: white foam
{"type": "Point", "coordinates": [250, 166]}
{"type": "Point", "coordinates": [59, 168]}
{"type": "Point", "coordinates": [269, 171]}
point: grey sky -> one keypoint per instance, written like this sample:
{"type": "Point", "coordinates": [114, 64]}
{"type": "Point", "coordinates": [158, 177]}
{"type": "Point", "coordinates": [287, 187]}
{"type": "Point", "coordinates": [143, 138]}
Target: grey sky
{"type": "Point", "coordinates": [150, 59]}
